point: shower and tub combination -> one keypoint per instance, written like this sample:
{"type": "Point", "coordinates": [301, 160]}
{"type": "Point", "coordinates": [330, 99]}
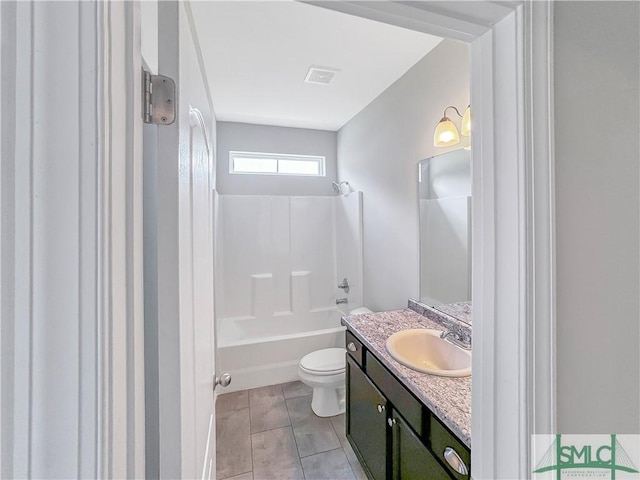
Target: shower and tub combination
{"type": "Point", "coordinates": [282, 263]}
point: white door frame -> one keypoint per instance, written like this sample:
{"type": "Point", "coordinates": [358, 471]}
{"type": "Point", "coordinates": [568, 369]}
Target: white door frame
{"type": "Point", "coordinates": [513, 216]}
{"type": "Point", "coordinates": [71, 337]}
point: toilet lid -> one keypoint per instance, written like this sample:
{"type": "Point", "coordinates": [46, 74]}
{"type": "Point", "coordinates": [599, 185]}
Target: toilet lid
{"type": "Point", "coordinates": [326, 360]}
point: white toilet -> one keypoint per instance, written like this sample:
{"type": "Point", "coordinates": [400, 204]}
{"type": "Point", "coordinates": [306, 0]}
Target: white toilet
{"type": "Point", "coordinates": [324, 371]}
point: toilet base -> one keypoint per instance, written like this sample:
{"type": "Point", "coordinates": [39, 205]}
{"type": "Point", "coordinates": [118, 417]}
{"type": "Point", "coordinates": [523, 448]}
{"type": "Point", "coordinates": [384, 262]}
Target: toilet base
{"type": "Point", "coordinates": [328, 402]}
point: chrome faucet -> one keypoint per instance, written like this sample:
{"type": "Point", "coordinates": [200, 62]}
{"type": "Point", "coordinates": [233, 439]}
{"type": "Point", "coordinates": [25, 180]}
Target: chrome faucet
{"type": "Point", "coordinates": [341, 300]}
{"type": "Point", "coordinates": [458, 336]}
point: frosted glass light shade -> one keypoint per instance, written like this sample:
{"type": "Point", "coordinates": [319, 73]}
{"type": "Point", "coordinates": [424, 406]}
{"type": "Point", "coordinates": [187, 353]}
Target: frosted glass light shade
{"type": "Point", "coordinates": [446, 134]}
{"type": "Point", "coordinates": [465, 128]}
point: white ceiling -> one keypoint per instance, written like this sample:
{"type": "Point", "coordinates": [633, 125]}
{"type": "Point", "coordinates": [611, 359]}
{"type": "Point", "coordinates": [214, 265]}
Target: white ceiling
{"type": "Point", "coordinates": [257, 55]}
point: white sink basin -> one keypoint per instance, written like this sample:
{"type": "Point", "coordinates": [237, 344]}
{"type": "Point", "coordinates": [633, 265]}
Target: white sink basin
{"type": "Point", "coordinates": [423, 350]}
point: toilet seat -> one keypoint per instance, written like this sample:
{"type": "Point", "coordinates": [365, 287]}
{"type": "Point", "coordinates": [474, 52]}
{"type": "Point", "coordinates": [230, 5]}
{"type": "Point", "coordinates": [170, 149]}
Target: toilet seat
{"type": "Point", "coordinates": [328, 361]}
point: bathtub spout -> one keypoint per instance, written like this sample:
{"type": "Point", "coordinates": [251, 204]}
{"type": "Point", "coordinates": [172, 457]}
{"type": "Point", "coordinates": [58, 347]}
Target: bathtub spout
{"type": "Point", "coordinates": [341, 300]}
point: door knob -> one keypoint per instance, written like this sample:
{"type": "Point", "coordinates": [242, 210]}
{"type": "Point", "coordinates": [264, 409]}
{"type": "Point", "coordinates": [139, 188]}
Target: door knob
{"type": "Point", "coordinates": [224, 380]}
{"type": "Point", "coordinates": [380, 408]}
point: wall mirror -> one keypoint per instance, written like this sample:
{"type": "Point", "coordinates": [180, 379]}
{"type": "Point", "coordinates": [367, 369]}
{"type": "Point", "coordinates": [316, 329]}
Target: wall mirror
{"type": "Point", "coordinates": [444, 186]}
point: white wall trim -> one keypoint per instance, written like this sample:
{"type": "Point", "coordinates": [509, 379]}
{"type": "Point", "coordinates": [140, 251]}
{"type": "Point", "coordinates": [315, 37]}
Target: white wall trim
{"type": "Point", "coordinates": [483, 258]}
{"type": "Point", "coordinates": [120, 212]}
{"type": "Point", "coordinates": [70, 263]}
{"type": "Point", "coordinates": [500, 284]}
{"type": "Point", "coordinates": [541, 215]}
{"type": "Point", "coordinates": [424, 17]}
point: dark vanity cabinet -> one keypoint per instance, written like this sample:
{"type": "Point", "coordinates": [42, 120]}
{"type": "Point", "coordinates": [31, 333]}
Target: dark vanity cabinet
{"type": "Point", "coordinates": [394, 435]}
{"type": "Point", "coordinates": [368, 420]}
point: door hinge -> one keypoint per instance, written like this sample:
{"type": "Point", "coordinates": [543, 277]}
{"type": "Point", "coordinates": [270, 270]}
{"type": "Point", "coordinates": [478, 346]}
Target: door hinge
{"type": "Point", "coordinates": [159, 99]}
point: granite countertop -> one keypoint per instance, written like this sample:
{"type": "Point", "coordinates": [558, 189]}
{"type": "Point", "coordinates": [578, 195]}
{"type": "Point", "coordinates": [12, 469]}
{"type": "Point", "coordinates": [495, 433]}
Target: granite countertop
{"type": "Point", "coordinates": [447, 397]}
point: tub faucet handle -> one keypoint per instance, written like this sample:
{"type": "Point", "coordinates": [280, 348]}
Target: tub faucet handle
{"type": "Point", "coordinates": [344, 285]}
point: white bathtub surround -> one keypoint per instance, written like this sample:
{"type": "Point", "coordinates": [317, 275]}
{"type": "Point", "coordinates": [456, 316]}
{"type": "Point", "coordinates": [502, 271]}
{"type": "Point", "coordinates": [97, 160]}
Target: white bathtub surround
{"type": "Point", "coordinates": [282, 259]}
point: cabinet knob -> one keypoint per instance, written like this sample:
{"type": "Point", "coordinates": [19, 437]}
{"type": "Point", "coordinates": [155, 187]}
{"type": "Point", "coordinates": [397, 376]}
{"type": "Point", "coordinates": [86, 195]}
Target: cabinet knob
{"type": "Point", "coordinates": [391, 422]}
{"type": "Point", "coordinates": [352, 347]}
{"type": "Point", "coordinates": [454, 460]}
{"type": "Point", "coordinates": [380, 408]}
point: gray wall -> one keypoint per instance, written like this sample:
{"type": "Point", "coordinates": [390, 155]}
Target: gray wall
{"type": "Point", "coordinates": [379, 150]}
{"type": "Point", "coordinates": [597, 204]}
{"type": "Point", "coordinates": [268, 139]}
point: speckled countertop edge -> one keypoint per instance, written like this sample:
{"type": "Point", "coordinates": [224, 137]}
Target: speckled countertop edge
{"type": "Point", "coordinates": [448, 398]}
{"type": "Point", "coordinates": [459, 310]}
{"type": "Point", "coordinates": [444, 319]}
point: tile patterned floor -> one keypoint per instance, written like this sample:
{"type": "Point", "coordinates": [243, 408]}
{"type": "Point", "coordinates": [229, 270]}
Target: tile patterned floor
{"type": "Point", "coordinates": [270, 433]}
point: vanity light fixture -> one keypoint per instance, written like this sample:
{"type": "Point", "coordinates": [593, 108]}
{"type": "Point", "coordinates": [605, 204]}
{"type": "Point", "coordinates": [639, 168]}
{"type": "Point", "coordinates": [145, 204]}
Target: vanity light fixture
{"type": "Point", "coordinates": [465, 127]}
{"type": "Point", "coordinates": [446, 133]}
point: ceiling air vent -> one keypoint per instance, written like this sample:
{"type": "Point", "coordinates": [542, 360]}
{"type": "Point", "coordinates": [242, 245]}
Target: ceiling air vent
{"type": "Point", "coordinates": [320, 75]}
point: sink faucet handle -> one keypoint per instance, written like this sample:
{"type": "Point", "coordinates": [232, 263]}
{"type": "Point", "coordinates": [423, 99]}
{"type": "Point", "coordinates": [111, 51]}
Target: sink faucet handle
{"type": "Point", "coordinates": [458, 336]}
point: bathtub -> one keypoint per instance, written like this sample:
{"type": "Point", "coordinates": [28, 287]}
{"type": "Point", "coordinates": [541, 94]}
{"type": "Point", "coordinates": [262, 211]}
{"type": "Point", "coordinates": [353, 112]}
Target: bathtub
{"type": "Point", "coordinates": [258, 352]}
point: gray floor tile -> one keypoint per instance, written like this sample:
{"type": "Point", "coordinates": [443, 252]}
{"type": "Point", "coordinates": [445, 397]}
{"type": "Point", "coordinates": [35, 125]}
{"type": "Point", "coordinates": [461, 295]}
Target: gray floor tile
{"type": "Point", "coordinates": [339, 426]}
{"type": "Point", "coordinates": [338, 423]}
{"type": "Point", "coordinates": [244, 476]}
{"type": "Point", "coordinates": [232, 401]}
{"type": "Point", "coordinates": [275, 456]}
{"type": "Point", "coordinates": [268, 408]}
{"type": "Point", "coordinates": [332, 465]}
{"type": "Point", "coordinates": [274, 453]}
{"type": "Point", "coordinates": [313, 434]}
{"type": "Point", "coordinates": [233, 445]}
{"type": "Point", "coordinates": [296, 389]}
{"type": "Point", "coordinates": [358, 471]}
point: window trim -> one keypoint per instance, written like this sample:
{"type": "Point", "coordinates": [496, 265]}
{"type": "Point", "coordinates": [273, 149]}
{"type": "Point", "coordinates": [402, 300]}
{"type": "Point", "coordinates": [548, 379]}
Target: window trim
{"type": "Point", "coordinates": [319, 159]}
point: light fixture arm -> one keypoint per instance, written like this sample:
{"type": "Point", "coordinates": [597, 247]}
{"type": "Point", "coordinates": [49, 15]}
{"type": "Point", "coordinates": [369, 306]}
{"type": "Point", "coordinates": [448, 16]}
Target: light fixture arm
{"type": "Point", "coordinates": [444, 115]}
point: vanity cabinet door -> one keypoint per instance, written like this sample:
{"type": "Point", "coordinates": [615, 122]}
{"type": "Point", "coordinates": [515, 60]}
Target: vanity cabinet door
{"type": "Point", "coordinates": [366, 421]}
{"type": "Point", "coordinates": [411, 458]}
{"type": "Point", "coordinates": [445, 444]}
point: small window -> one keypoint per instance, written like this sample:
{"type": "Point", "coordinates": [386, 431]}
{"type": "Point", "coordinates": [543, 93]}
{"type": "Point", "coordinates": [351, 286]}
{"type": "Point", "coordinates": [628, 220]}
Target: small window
{"type": "Point", "coordinates": [276, 164]}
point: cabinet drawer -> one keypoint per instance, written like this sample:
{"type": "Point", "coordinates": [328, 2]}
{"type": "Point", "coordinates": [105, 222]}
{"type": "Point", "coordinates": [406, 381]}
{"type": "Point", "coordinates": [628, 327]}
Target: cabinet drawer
{"type": "Point", "coordinates": [354, 347]}
{"type": "Point", "coordinates": [441, 439]}
{"type": "Point", "coordinates": [395, 392]}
